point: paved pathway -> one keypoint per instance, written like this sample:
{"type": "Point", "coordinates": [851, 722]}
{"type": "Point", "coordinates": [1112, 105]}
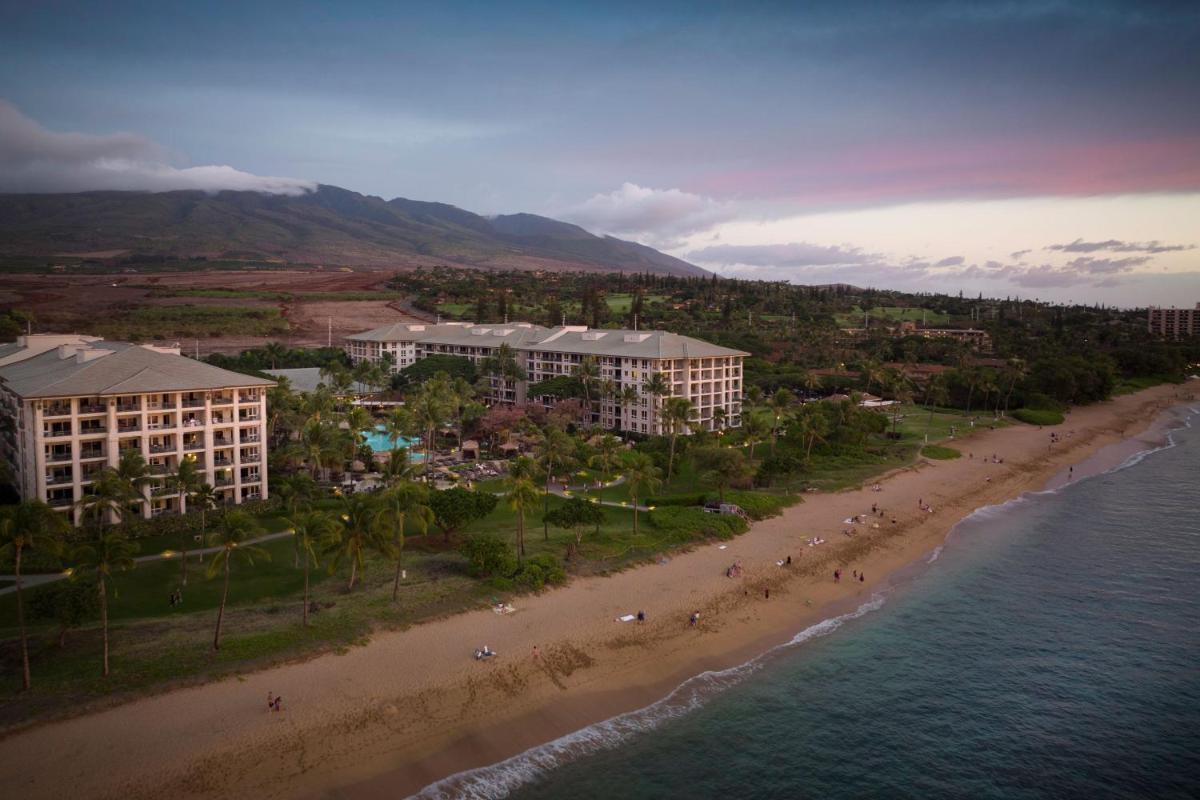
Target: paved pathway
{"type": "Point", "coordinates": [37, 579]}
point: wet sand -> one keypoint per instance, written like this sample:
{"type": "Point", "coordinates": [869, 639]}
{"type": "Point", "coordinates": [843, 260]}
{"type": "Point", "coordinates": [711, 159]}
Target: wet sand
{"type": "Point", "coordinates": [411, 707]}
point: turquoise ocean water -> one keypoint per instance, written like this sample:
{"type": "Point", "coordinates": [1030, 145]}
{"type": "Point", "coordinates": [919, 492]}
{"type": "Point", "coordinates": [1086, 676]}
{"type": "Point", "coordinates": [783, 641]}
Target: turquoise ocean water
{"type": "Point", "coordinates": [1051, 649]}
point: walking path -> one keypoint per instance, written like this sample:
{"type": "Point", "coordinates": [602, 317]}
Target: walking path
{"type": "Point", "coordinates": [38, 579]}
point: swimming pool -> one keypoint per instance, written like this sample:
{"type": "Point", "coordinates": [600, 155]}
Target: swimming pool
{"type": "Point", "coordinates": [379, 440]}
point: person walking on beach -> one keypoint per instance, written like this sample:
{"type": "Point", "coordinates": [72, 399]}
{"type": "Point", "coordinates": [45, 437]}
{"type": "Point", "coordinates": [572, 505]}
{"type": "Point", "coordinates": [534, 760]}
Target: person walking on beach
{"type": "Point", "coordinates": [837, 576]}
{"type": "Point", "coordinates": [641, 617]}
{"type": "Point", "coordinates": [766, 594]}
{"type": "Point", "coordinates": [862, 576]}
{"type": "Point", "coordinates": [694, 619]}
{"type": "Point", "coordinates": [537, 654]}
{"type": "Point", "coordinates": [270, 701]}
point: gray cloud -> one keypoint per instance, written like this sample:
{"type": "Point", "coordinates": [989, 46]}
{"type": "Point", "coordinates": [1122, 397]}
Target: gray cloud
{"type": "Point", "coordinates": [791, 255]}
{"type": "Point", "coordinates": [34, 159]}
{"type": "Point", "coordinates": [660, 216]}
{"type": "Point", "coordinates": [952, 261]}
{"type": "Point", "coordinates": [1117, 246]}
{"type": "Point", "coordinates": [1097, 266]}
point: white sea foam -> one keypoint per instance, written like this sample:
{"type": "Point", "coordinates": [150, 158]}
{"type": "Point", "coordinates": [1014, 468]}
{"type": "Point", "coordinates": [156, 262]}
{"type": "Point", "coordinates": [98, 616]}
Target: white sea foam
{"type": "Point", "coordinates": [937, 551]}
{"type": "Point", "coordinates": [500, 780]}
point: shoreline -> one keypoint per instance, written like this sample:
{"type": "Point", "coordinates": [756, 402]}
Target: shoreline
{"type": "Point", "coordinates": [412, 707]}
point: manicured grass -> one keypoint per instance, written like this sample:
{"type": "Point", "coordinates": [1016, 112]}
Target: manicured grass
{"type": "Point", "coordinates": [1033, 416]}
{"type": "Point", "coordinates": [893, 314]}
{"type": "Point", "coordinates": [940, 453]}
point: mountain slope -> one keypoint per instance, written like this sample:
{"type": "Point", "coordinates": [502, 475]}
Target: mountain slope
{"type": "Point", "coordinates": [329, 226]}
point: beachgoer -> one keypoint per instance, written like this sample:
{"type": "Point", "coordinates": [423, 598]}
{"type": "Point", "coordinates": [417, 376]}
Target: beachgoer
{"type": "Point", "coordinates": [537, 654]}
{"type": "Point", "coordinates": [694, 619]}
{"type": "Point", "coordinates": [789, 561]}
{"type": "Point", "coordinates": [766, 594]}
{"type": "Point", "coordinates": [270, 701]}
{"type": "Point", "coordinates": [278, 704]}
{"type": "Point", "coordinates": [641, 617]}
{"type": "Point", "coordinates": [837, 576]}
{"type": "Point", "coordinates": [862, 576]}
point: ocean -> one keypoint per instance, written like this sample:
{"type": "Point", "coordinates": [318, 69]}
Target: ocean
{"type": "Point", "coordinates": [1050, 649]}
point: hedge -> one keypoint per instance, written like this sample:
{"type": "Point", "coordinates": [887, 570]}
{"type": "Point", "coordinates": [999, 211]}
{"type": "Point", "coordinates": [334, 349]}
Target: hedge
{"type": "Point", "coordinates": [940, 453]}
{"type": "Point", "coordinates": [758, 505]}
{"type": "Point", "coordinates": [1038, 417]}
{"type": "Point", "coordinates": [685, 524]}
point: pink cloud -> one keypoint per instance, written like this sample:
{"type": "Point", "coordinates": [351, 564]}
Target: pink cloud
{"type": "Point", "coordinates": [933, 170]}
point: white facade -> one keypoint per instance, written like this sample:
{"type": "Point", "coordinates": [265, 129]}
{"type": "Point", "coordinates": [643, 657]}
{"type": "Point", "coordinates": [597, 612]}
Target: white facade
{"type": "Point", "coordinates": [707, 375]}
{"type": "Point", "coordinates": [60, 440]}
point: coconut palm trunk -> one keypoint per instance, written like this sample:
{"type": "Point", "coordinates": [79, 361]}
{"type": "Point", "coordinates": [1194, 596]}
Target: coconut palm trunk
{"type": "Point", "coordinates": [21, 623]}
{"type": "Point", "coordinates": [104, 620]}
{"type": "Point", "coordinates": [399, 560]}
{"type": "Point", "coordinates": [221, 609]}
{"type": "Point", "coordinates": [306, 588]}
{"type": "Point", "coordinates": [635, 514]}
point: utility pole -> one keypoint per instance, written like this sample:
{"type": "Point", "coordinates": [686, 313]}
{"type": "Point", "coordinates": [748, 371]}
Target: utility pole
{"type": "Point", "coordinates": [329, 332]}
{"type": "Point", "coordinates": [197, 349]}
{"type": "Point", "coordinates": [635, 322]}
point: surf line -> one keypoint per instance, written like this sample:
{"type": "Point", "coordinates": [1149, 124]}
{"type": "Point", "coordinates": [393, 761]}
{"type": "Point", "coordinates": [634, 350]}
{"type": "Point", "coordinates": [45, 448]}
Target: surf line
{"type": "Point", "coordinates": [501, 779]}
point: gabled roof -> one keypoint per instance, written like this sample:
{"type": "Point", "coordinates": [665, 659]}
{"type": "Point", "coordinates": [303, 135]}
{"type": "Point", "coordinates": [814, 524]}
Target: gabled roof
{"type": "Point", "coordinates": [109, 368]}
{"type": "Point", "coordinates": [631, 344]}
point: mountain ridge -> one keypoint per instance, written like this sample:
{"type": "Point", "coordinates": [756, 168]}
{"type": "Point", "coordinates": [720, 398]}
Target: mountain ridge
{"type": "Point", "coordinates": [329, 226]}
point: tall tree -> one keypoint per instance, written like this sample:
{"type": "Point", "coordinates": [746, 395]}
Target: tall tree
{"type": "Point", "coordinates": [641, 480]}
{"type": "Point", "coordinates": [405, 503]}
{"type": "Point", "coordinates": [31, 525]}
{"type": "Point", "coordinates": [232, 538]}
{"type": "Point", "coordinates": [358, 533]}
{"type": "Point", "coordinates": [554, 452]}
{"type": "Point", "coordinates": [112, 552]}
{"type": "Point", "coordinates": [779, 404]}
{"type": "Point", "coordinates": [522, 498]}
{"type": "Point", "coordinates": [312, 530]}
{"type": "Point", "coordinates": [203, 498]}
{"type": "Point", "coordinates": [607, 455]}
{"type": "Point", "coordinates": [723, 466]}
{"type": "Point", "coordinates": [676, 414]}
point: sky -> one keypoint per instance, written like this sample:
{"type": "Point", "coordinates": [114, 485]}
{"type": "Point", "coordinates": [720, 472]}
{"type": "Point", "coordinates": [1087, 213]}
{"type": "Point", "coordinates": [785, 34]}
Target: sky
{"type": "Point", "coordinates": [1036, 149]}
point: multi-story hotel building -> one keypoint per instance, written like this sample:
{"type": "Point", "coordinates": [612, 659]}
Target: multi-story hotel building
{"type": "Point", "coordinates": [72, 410]}
{"type": "Point", "coordinates": [1174, 323]}
{"type": "Point", "coordinates": [708, 375]}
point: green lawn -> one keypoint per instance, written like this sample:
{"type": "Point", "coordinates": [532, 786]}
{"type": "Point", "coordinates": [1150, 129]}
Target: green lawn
{"type": "Point", "coordinates": [854, 318]}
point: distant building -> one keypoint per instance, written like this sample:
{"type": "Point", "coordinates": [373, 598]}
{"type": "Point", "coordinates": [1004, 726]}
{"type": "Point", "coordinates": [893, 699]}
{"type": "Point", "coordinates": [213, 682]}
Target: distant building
{"type": "Point", "coordinates": [1174, 323]}
{"type": "Point", "coordinates": [977, 339]}
{"type": "Point", "coordinates": [707, 374]}
{"type": "Point", "coordinates": [75, 406]}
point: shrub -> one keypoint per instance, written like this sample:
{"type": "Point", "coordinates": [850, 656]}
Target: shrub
{"type": "Point", "coordinates": [758, 505]}
{"type": "Point", "coordinates": [692, 499]}
{"type": "Point", "coordinates": [538, 572]}
{"type": "Point", "coordinates": [682, 525]}
{"type": "Point", "coordinates": [487, 554]}
{"type": "Point", "coordinates": [1038, 417]}
{"type": "Point", "coordinates": [940, 453]}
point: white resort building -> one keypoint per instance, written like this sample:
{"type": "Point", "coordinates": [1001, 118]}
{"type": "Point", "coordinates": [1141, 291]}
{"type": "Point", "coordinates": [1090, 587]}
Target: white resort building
{"type": "Point", "coordinates": [708, 375]}
{"type": "Point", "coordinates": [73, 408]}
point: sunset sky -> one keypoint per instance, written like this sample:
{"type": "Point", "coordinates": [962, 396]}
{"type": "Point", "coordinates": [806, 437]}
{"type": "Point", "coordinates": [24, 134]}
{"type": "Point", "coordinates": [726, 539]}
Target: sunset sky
{"type": "Point", "coordinates": [1039, 149]}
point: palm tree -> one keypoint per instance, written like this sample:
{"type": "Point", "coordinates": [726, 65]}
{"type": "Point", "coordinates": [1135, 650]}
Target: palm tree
{"type": "Point", "coordinates": [109, 497]}
{"type": "Point", "coordinates": [231, 537]}
{"type": "Point", "coordinates": [657, 387]}
{"type": "Point", "coordinates": [522, 497]}
{"type": "Point", "coordinates": [935, 395]}
{"type": "Point", "coordinates": [358, 421]}
{"type": "Point", "coordinates": [971, 376]}
{"type": "Point", "coordinates": [756, 429]}
{"type": "Point", "coordinates": [109, 554]}
{"type": "Point", "coordinates": [321, 447]}
{"type": "Point", "coordinates": [185, 480]}
{"type": "Point", "coordinates": [642, 478]}
{"type": "Point", "coordinates": [812, 381]}
{"type": "Point", "coordinates": [778, 403]}
{"type": "Point", "coordinates": [275, 352]}
{"type": "Point", "coordinates": [358, 532]}
{"type": "Point", "coordinates": [311, 529]}
{"type": "Point", "coordinates": [607, 456]}
{"type": "Point", "coordinates": [553, 452]}
{"type": "Point", "coordinates": [204, 497]}
{"type": "Point", "coordinates": [31, 525]}
{"type": "Point", "coordinates": [871, 372]}
{"type": "Point", "coordinates": [405, 502]}
{"type": "Point", "coordinates": [754, 396]}
{"type": "Point", "coordinates": [676, 414]}
{"type": "Point", "coordinates": [429, 407]}
{"type": "Point", "coordinates": [588, 373]}
{"type": "Point", "coordinates": [1016, 371]}
{"type": "Point", "coordinates": [987, 385]}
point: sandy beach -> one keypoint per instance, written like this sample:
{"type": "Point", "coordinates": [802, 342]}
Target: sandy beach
{"type": "Point", "coordinates": [410, 707]}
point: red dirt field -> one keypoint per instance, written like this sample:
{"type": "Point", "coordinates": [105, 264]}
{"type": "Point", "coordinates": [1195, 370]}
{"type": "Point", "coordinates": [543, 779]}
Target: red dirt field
{"type": "Point", "coordinates": [65, 303]}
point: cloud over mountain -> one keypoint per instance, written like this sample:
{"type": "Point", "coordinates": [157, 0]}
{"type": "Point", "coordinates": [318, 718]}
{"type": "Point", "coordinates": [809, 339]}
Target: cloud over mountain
{"type": "Point", "coordinates": [36, 160]}
{"type": "Point", "coordinates": [661, 216]}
